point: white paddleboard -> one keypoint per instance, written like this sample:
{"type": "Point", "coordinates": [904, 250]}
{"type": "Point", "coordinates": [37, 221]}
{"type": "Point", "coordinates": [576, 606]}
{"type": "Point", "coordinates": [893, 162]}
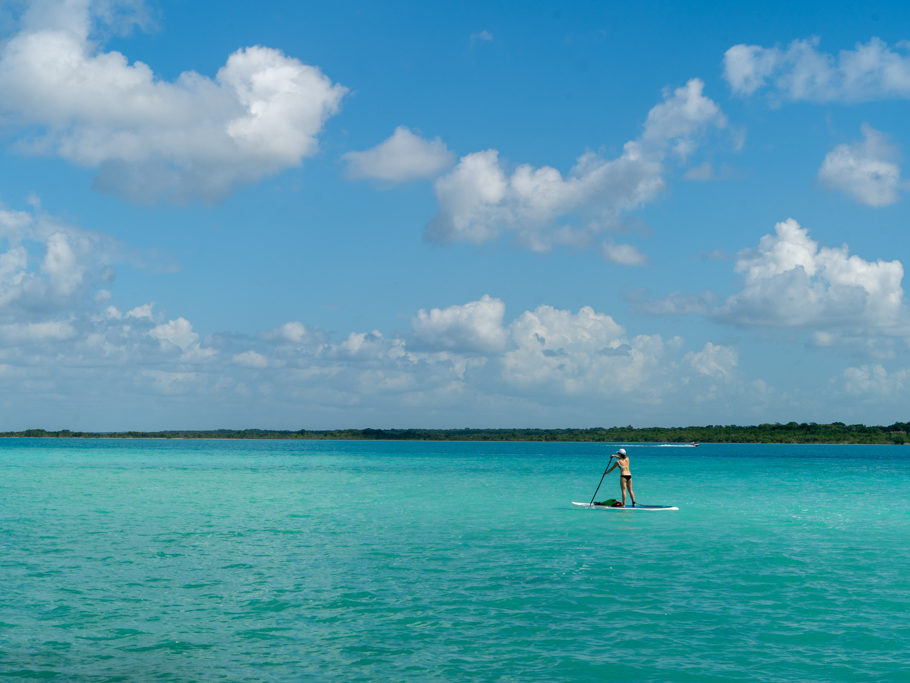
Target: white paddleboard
{"type": "Point", "coordinates": [649, 508]}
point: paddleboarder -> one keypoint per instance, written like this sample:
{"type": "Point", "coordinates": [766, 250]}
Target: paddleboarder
{"type": "Point", "coordinates": [625, 474]}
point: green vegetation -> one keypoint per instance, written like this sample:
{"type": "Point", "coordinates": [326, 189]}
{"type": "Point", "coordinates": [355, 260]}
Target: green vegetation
{"type": "Point", "coordinates": [791, 432]}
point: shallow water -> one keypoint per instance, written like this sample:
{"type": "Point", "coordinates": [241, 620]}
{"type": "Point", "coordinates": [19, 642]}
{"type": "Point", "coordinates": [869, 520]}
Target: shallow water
{"type": "Point", "coordinates": [285, 560]}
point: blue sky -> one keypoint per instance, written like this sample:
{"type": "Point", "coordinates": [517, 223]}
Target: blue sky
{"type": "Point", "coordinates": [452, 214]}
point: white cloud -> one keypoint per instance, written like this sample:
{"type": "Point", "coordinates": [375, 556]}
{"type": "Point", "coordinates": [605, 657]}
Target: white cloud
{"type": "Point", "coordinates": [873, 382]}
{"type": "Point", "coordinates": [475, 327]}
{"type": "Point", "coordinates": [401, 158]}
{"type": "Point", "coordinates": [111, 311]}
{"type": "Point", "coordinates": [294, 332]}
{"type": "Point", "coordinates": [789, 281]}
{"type": "Point", "coordinates": [92, 366]}
{"type": "Point", "coordinates": [170, 383]}
{"type": "Point", "coordinates": [555, 367]}
{"type": "Point", "coordinates": [480, 199]}
{"type": "Point", "coordinates": [14, 224]}
{"type": "Point", "coordinates": [177, 332]}
{"type": "Point", "coordinates": [193, 138]}
{"type": "Point", "coordinates": [683, 114]}
{"type": "Point", "coordinates": [548, 366]}
{"type": "Point", "coordinates": [871, 71]}
{"type": "Point", "coordinates": [365, 347]}
{"type": "Point", "coordinates": [623, 254]}
{"type": "Point", "coordinates": [48, 265]}
{"type": "Point", "coordinates": [143, 312]}
{"type": "Point", "coordinates": [714, 360]}
{"type": "Point", "coordinates": [582, 353]}
{"type": "Point", "coordinates": [747, 67]}
{"type": "Point", "coordinates": [251, 359]}
{"type": "Point", "coordinates": [867, 170]}
{"type": "Point", "coordinates": [18, 333]}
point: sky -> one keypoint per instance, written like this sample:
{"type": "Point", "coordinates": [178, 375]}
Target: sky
{"type": "Point", "coordinates": [458, 214]}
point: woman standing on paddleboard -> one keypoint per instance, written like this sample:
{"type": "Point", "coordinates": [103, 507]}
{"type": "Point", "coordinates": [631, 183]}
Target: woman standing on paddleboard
{"type": "Point", "coordinates": [625, 474]}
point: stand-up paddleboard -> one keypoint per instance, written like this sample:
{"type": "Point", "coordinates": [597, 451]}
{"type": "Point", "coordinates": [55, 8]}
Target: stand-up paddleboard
{"type": "Point", "coordinates": [649, 508]}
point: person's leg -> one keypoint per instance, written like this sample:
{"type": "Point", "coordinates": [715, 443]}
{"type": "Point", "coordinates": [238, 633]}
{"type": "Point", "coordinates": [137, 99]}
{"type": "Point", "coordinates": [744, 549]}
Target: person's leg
{"type": "Point", "coordinates": [622, 487]}
{"type": "Point", "coordinates": [631, 494]}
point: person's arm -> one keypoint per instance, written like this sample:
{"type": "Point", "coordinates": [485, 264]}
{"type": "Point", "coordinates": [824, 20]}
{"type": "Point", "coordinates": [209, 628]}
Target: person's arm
{"type": "Point", "coordinates": [612, 467]}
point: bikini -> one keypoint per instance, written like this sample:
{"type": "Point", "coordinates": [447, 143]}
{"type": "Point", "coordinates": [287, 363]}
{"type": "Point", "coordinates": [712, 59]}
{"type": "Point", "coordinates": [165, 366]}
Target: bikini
{"type": "Point", "coordinates": [627, 477]}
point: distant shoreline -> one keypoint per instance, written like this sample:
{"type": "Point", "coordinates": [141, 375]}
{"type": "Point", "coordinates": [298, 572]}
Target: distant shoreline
{"type": "Point", "coordinates": [791, 432]}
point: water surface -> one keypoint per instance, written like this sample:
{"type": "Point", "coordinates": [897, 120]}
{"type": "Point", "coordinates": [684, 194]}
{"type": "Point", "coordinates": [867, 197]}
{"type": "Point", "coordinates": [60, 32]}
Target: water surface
{"type": "Point", "coordinates": [291, 560]}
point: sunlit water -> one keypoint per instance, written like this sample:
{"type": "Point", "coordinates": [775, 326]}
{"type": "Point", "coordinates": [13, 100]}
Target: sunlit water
{"type": "Point", "coordinates": [284, 560]}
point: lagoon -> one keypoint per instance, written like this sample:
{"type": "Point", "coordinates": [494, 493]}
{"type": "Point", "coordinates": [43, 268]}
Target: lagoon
{"type": "Point", "coordinates": [356, 560]}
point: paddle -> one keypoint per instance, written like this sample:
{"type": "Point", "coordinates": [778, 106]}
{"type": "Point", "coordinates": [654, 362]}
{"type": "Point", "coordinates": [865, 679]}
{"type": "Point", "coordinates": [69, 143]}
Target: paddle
{"type": "Point", "coordinates": [602, 479]}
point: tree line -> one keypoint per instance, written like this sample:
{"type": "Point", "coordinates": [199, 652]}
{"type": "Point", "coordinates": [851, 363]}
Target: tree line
{"type": "Point", "coordinates": [790, 432]}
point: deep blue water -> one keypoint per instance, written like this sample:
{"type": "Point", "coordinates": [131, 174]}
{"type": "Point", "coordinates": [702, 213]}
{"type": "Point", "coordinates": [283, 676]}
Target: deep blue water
{"type": "Point", "coordinates": [286, 560]}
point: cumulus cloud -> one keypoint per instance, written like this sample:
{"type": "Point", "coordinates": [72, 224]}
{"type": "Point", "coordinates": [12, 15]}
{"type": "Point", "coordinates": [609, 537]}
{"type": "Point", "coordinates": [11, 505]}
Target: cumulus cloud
{"type": "Point", "coordinates": [150, 139]}
{"type": "Point", "coordinates": [684, 113]}
{"type": "Point", "coordinates": [47, 265]}
{"type": "Point", "coordinates": [572, 353]}
{"type": "Point", "coordinates": [401, 158]}
{"type": "Point", "coordinates": [463, 360]}
{"type": "Point", "coordinates": [364, 350]}
{"type": "Point", "coordinates": [873, 382]}
{"type": "Point", "coordinates": [623, 254]}
{"type": "Point", "coordinates": [465, 363]}
{"type": "Point", "coordinates": [178, 332]}
{"type": "Point", "coordinates": [472, 327]}
{"type": "Point", "coordinates": [294, 332]}
{"type": "Point", "coordinates": [870, 71]}
{"type": "Point", "coordinates": [714, 360]}
{"type": "Point", "coordinates": [142, 312]}
{"type": "Point", "coordinates": [172, 383]}
{"type": "Point", "coordinates": [790, 281]}
{"type": "Point", "coordinates": [17, 333]}
{"type": "Point", "coordinates": [251, 359]}
{"type": "Point", "coordinates": [481, 198]}
{"type": "Point", "coordinates": [867, 171]}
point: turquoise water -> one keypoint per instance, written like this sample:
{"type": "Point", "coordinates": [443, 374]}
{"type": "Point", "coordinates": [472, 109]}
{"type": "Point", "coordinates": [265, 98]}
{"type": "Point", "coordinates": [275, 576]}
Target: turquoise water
{"type": "Point", "coordinates": [281, 560]}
